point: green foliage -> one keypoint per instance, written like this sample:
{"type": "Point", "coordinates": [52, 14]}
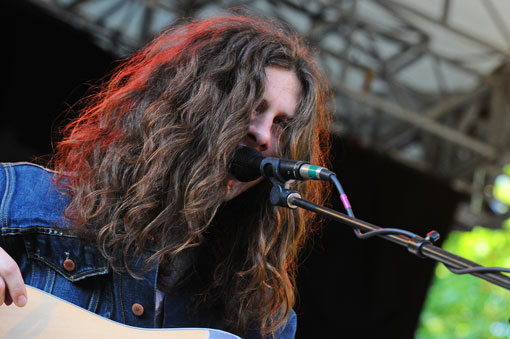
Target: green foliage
{"type": "Point", "coordinates": [464, 306]}
{"type": "Point", "coordinates": [506, 169]}
{"type": "Point", "coordinates": [502, 189]}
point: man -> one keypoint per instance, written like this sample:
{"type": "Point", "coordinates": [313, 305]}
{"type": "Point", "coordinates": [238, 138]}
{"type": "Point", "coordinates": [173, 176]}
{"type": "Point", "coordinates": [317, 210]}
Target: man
{"type": "Point", "coordinates": [140, 220]}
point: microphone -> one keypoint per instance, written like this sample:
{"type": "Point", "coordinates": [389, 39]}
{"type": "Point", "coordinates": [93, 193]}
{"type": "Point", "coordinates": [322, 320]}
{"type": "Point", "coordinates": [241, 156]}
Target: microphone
{"type": "Point", "coordinates": [248, 164]}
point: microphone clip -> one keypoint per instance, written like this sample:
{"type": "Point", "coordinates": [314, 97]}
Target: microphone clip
{"type": "Point", "coordinates": [281, 196]}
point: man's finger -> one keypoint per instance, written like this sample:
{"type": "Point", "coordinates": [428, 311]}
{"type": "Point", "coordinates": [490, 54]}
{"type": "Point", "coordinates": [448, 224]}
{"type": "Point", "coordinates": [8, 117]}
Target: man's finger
{"type": "Point", "coordinates": [12, 280]}
{"type": "Point", "coordinates": [3, 291]}
{"type": "Point", "coordinates": [8, 299]}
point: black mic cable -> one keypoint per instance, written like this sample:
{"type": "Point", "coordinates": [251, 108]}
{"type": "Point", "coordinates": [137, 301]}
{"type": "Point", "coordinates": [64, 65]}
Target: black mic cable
{"type": "Point", "coordinates": [249, 164]}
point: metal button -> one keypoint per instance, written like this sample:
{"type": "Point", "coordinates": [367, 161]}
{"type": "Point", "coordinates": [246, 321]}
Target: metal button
{"type": "Point", "coordinates": [137, 309]}
{"type": "Point", "coordinates": [69, 265]}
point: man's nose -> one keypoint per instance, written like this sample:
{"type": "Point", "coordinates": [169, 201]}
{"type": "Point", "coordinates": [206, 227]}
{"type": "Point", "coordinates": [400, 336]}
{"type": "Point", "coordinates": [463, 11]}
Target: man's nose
{"type": "Point", "coordinates": [259, 132]}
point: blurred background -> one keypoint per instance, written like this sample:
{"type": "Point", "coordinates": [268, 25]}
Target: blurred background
{"type": "Point", "coordinates": [421, 140]}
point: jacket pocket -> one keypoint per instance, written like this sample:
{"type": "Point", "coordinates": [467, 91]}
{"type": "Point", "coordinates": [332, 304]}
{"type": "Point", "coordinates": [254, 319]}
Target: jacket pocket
{"type": "Point", "coordinates": [67, 255]}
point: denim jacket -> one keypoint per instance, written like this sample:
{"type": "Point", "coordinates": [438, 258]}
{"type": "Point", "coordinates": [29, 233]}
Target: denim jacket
{"type": "Point", "coordinates": [59, 263]}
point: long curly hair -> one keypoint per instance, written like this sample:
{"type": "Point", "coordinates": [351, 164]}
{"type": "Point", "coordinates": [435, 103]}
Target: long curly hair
{"type": "Point", "coordinates": [146, 162]}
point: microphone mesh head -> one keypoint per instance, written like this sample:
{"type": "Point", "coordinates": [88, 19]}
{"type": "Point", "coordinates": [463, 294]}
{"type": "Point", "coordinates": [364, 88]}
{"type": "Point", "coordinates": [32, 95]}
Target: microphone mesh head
{"type": "Point", "coordinates": [245, 165]}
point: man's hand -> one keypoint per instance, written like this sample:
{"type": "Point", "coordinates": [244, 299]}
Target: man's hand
{"type": "Point", "coordinates": [12, 287]}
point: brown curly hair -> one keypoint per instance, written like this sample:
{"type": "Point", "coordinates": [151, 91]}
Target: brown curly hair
{"type": "Point", "coordinates": [148, 159]}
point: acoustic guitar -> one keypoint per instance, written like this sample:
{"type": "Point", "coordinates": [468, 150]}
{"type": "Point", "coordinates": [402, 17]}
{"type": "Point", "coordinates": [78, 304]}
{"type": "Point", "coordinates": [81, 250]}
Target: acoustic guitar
{"type": "Point", "coordinates": [46, 316]}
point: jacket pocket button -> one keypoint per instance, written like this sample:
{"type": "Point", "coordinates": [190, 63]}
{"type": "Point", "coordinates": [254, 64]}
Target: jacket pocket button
{"type": "Point", "coordinates": [69, 265]}
{"type": "Point", "coordinates": [137, 309]}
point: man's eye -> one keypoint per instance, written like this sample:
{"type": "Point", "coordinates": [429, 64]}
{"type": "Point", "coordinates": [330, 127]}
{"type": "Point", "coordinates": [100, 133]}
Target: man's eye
{"type": "Point", "coordinates": [261, 107]}
{"type": "Point", "coordinates": [281, 122]}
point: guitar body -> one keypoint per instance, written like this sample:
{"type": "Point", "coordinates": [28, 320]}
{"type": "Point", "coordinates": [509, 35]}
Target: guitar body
{"type": "Point", "coordinates": [46, 316]}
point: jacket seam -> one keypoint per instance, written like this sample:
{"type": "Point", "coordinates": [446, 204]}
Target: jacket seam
{"type": "Point", "coordinates": [50, 280]}
{"type": "Point", "coordinates": [120, 299]}
{"type": "Point", "coordinates": [94, 299]}
{"type": "Point", "coordinates": [102, 269]}
{"type": "Point", "coordinates": [37, 230]}
{"type": "Point", "coordinates": [27, 163]}
{"type": "Point", "coordinates": [9, 189]}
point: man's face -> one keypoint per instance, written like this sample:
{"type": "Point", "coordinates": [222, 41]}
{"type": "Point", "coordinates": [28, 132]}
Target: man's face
{"type": "Point", "coordinates": [278, 106]}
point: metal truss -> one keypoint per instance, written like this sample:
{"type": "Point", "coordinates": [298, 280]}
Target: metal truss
{"type": "Point", "coordinates": [392, 85]}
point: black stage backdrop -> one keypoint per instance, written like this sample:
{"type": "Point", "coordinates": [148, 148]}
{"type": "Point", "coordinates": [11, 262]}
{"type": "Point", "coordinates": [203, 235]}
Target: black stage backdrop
{"type": "Point", "coordinates": [348, 287]}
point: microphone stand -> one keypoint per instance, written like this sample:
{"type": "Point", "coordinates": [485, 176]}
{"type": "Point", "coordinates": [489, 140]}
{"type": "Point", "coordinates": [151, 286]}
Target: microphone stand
{"type": "Point", "coordinates": [422, 247]}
